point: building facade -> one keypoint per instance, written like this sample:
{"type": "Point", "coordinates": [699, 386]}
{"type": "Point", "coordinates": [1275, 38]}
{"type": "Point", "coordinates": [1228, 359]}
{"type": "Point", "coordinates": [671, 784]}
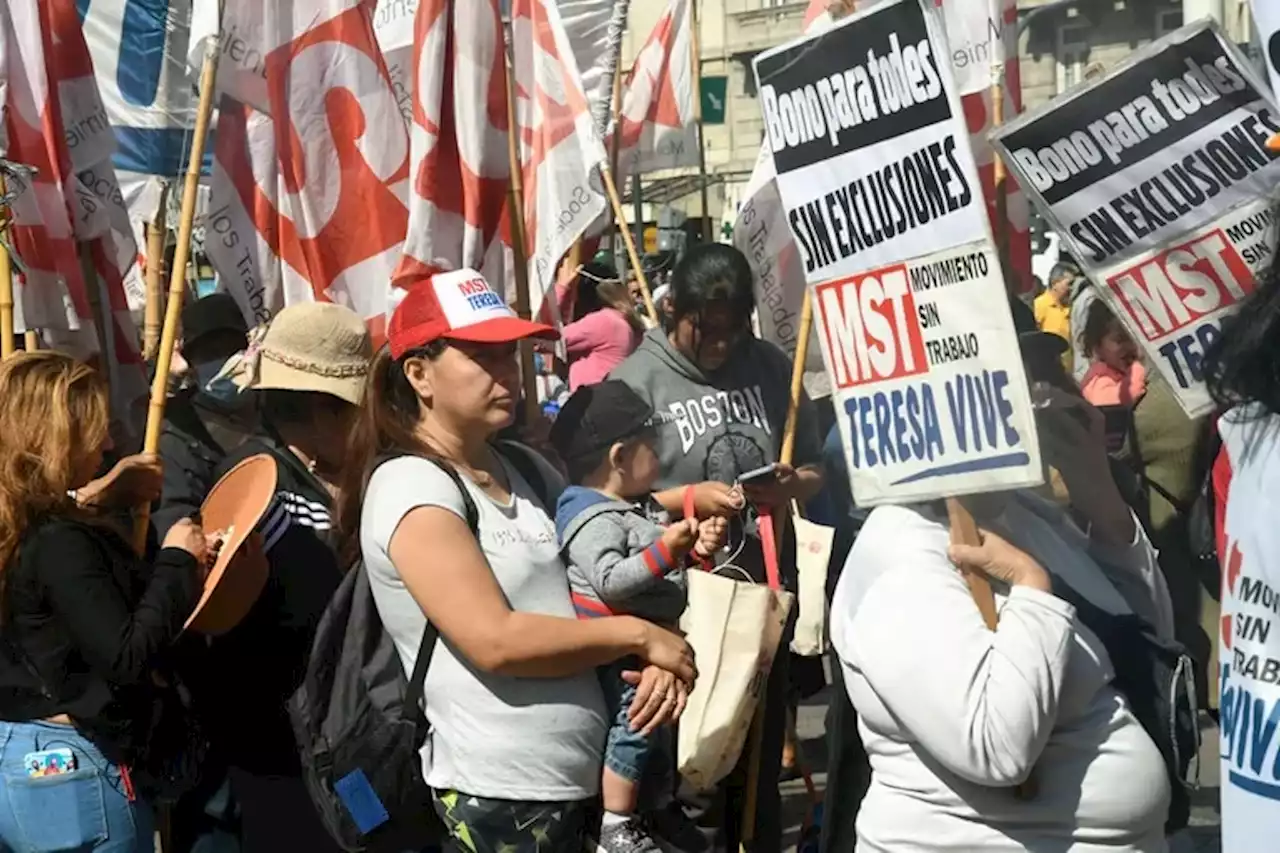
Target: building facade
{"type": "Point", "coordinates": [1059, 43]}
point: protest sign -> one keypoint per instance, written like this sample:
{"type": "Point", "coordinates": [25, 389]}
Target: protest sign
{"type": "Point", "coordinates": [877, 177]}
{"type": "Point", "coordinates": [1143, 173]}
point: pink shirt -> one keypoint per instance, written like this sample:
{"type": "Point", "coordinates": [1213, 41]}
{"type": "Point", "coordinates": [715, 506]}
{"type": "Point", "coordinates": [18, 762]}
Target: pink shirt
{"type": "Point", "coordinates": [1106, 386]}
{"type": "Point", "coordinates": [597, 344]}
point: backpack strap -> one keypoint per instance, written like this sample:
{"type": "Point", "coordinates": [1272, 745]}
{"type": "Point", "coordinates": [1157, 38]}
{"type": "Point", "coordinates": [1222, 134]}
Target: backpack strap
{"type": "Point", "coordinates": [431, 634]}
{"type": "Point", "coordinates": [522, 459]}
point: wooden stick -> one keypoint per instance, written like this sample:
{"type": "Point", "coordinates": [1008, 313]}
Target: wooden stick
{"type": "Point", "coordinates": [7, 342]}
{"type": "Point", "coordinates": [519, 248]}
{"type": "Point", "coordinates": [694, 42]}
{"type": "Point", "coordinates": [615, 144]}
{"type": "Point", "coordinates": [628, 240]}
{"type": "Point", "coordinates": [31, 340]}
{"type": "Point", "coordinates": [153, 314]}
{"type": "Point", "coordinates": [177, 279]}
{"type": "Point", "coordinates": [797, 379]}
{"type": "Point", "coordinates": [998, 172]}
{"type": "Point", "coordinates": [964, 531]}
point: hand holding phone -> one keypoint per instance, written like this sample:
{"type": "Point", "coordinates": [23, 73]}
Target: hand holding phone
{"type": "Point", "coordinates": [759, 476]}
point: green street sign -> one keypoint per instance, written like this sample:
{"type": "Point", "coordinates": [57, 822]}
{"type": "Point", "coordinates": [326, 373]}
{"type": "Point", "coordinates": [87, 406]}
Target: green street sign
{"type": "Point", "coordinates": [714, 95]}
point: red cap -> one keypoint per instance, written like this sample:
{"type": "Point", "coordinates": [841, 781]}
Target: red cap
{"type": "Point", "coordinates": [458, 306]}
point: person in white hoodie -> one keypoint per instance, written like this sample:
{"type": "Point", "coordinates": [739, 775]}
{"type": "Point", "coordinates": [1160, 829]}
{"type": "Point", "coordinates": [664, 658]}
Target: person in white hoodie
{"type": "Point", "coordinates": [1013, 739]}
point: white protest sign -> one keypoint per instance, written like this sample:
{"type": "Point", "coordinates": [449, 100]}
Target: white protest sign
{"type": "Point", "coordinates": [882, 195]}
{"type": "Point", "coordinates": [1154, 176]}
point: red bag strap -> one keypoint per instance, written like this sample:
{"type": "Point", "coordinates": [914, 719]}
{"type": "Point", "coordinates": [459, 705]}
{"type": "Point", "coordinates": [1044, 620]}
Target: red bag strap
{"type": "Point", "coordinates": [690, 511]}
{"type": "Point", "coordinates": [769, 544]}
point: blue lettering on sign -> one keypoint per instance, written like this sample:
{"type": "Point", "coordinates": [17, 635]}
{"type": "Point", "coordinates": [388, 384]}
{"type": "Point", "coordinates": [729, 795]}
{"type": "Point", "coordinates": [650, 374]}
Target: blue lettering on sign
{"type": "Point", "coordinates": [1185, 353]}
{"type": "Point", "coordinates": [903, 425]}
{"type": "Point", "coordinates": [488, 299]}
{"type": "Point", "coordinates": [1249, 726]}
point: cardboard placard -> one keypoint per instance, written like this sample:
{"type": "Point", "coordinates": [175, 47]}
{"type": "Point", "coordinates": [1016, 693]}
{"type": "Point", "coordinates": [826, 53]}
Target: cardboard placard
{"type": "Point", "coordinates": [1154, 176]}
{"type": "Point", "coordinates": [883, 199]}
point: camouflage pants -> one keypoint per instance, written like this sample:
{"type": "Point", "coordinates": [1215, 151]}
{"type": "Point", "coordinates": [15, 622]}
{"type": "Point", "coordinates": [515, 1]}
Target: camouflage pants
{"type": "Point", "coordinates": [479, 825]}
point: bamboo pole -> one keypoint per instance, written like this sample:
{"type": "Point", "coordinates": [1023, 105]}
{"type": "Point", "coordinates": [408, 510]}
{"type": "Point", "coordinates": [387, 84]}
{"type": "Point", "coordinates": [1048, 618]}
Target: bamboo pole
{"type": "Point", "coordinates": [999, 174]}
{"type": "Point", "coordinates": [31, 340]}
{"type": "Point", "coordinates": [628, 240]}
{"type": "Point", "coordinates": [153, 314]}
{"type": "Point", "coordinates": [797, 379]}
{"type": "Point", "coordinates": [519, 247]}
{"type": "Point", "coordinates": [696, 50]}
{"type": "Point", "coordinates": [615, 142]}
{"type": "Point", "coordinates": [7, 343]}
{"type": "Point", "coordinates": [177, 278]}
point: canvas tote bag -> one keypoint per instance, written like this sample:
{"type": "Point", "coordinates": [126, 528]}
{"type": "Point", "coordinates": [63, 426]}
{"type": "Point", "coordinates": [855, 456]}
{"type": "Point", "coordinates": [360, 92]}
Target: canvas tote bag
{"type": "Point", "coordinates": [813, 554]}
{"type": "Point", "coordinates": [735, 628]}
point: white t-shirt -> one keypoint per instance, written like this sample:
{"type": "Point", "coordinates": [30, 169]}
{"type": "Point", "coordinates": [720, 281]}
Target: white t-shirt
{"type": "Point", "coordinates": [953, 715]}
{"type": "Point", "coordinates": [1249, 653]}
{"type": "Point", "coordinates": [494, 736]}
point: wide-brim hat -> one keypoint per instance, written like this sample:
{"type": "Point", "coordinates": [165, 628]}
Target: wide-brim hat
{"type": "Point", "coordinates": [309, 346]}
{"type": "Point", "coordinates": [457, 305]}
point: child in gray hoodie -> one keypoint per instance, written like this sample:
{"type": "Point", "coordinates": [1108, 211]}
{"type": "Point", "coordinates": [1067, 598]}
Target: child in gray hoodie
{"type": "Point", "coordinates": [624, 556]}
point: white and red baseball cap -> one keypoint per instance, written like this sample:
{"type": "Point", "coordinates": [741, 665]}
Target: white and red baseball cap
{"type": "Point", "coordinates": [458, 305]}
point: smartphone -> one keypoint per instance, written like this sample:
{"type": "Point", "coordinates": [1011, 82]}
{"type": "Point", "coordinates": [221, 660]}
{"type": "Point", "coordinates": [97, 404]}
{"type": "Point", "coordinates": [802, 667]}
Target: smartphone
{"type": "Point", "coordinates": [756, 475]}
{"type": "Point", "coordinates": [49, 762]}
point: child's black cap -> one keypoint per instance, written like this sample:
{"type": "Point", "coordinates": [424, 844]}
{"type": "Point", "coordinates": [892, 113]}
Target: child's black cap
{"type": "Point", "coordinates": [598, 416]}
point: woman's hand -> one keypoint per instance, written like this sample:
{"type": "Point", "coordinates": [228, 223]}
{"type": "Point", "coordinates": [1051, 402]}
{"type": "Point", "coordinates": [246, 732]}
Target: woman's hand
{"type": "Point", "coordinates": [668, 650]}
{"type": "Point", "coordinates": [715, 498]}
{"type": "Point", "coordinates": [998, 559]}
{"type": "Point", "coordinates": [132, 481]}
{"type": "Point", "coordinates": [187, 535]}
{"type": "Point", "coordinates": [776, 491]}
{"type": "Point", "coordinates": [660, 699]}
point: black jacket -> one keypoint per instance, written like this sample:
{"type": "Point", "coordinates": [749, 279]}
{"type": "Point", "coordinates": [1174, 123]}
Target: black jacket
{"type": "Point", "coordinates": [85, 623]}
{"type": "Point", "coordinates": [247, 674]}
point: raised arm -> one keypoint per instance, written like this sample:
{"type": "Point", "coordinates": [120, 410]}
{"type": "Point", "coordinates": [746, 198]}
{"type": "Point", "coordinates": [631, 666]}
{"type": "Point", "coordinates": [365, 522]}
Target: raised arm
{"type": "Point", "coordinates": [980, 702]}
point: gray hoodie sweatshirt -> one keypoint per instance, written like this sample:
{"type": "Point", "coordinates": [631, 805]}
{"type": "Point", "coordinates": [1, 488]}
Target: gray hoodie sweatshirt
{"type": "Point", "coordinates": [723, 423]}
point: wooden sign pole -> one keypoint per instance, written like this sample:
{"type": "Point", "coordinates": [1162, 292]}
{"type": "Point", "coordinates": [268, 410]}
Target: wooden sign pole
{"type": "Point", "coordinates": [177, 279]}
{"type": "Point", "coordinates": [696, 50]}
{"type": "Point", "coordinates": [7, 342]}
{"type": "Point", "coordinates": [153, 312]}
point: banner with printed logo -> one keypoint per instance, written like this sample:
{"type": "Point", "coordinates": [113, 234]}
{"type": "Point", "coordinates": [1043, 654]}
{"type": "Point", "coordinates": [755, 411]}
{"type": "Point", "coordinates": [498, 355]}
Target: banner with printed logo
{"type": "Point", "coordinates": [877, 177]}
{"type": "Point", "coordinates": [311, 160]}
{"type": "Point", "coordinates": [1153, 176]}
{"type": "Point", "coordinates": [71, 237]}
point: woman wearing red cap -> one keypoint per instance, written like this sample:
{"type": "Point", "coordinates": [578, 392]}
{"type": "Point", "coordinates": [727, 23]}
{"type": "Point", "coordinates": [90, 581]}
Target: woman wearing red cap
{"type": "Point", "coordinates": [517, 719]}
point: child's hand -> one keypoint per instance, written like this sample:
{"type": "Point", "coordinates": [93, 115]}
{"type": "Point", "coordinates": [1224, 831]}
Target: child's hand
{"type": "Point", "coordinates": [712, 533]}
{"type": "Point", "coordinates": [680, 536]}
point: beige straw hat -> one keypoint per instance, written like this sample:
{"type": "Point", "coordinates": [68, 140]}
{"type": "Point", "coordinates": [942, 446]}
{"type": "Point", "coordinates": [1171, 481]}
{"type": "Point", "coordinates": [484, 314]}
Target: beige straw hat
{"type": "Point", "coordinates": [309, 346]}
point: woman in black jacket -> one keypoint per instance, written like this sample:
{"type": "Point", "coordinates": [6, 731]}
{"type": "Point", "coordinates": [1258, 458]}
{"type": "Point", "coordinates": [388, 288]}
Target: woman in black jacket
{"type": "Point", "coordinates": [83, 620]}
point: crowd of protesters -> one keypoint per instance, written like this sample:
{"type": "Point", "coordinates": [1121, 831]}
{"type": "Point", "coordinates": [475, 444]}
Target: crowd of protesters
{"type": "Point", "coordinates": [549, 557]}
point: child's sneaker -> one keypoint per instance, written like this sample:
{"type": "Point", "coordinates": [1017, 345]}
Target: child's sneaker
{"type": "Point", "coordinates": [630, 836]}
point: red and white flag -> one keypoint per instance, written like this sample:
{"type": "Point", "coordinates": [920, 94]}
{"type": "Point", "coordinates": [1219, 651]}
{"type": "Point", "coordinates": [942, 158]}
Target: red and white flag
{"type": "Point", "coordinates": [461, 164]}
{"type": "Point", "coordinates": [311, 161]}
{"type": "Point", "coordinates": [393, 26]}
{"type": "Point", "coordinates": [658, 127]}
{"type": "Point", "coordinates": [54, 122]}
{"type": "Point", "coordinates": [559, 145]}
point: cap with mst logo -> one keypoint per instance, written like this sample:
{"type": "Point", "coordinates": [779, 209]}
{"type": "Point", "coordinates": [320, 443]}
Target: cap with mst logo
{"type": "Point", "coordinates": [459, 306]}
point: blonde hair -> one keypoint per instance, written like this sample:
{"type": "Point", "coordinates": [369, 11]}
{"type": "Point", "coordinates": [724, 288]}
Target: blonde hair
{"type": "Point", "coordinates": [53, 409]}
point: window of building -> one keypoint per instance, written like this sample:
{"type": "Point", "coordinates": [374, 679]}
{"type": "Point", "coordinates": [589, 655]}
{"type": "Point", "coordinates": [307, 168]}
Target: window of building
{"type": "Point", "coordinates": [1072, 53]}
{"type": "Point", "coordinates": [1168, 20]}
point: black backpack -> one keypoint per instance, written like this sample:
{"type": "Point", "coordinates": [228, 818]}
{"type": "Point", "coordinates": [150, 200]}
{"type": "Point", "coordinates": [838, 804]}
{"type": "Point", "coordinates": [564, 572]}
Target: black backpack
{"type": "Point", "coordinates": [358, 720]}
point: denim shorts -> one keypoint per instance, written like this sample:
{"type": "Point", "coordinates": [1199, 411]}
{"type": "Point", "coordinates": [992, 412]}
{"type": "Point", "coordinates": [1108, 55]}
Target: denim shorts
{"type": "Point", "coordinates": [86, 809]}
{"type": "Point", "coordinates": [626, 752]}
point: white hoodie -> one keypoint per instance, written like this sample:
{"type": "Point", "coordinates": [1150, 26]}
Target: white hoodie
{"type": "Point", "coordinates": [954, 716]}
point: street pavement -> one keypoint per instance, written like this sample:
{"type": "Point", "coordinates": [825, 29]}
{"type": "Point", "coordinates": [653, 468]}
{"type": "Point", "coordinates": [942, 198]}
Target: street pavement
{"type": "Point", "coordinates": [1202, 837]}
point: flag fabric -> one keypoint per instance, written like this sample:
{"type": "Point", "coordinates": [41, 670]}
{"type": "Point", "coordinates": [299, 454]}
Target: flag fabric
{"type": "Point", "coordinates": [139, 50]}
{"type": "Point", "coordinates": [55, 122]}
{"type": "Point", "coordinates": [762, 234]}
{"type": "Point", "coordinates": [459, 147]}
{"type": "Point", "coordinates": [559, 146]}
{"type": "Point", "coordinates": [595, 29]}
{"type": "Point", "coordinates": [311, 162]}
{"type": "Point", "coordinates": [658, 130]}
{"type": "Point", "coordinates": [393, 26]}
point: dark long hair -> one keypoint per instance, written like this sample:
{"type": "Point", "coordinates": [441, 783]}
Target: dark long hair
{"type": "Point", "coordinates": [1243, 364]}
{"type": "Point", "coordinates": [712, 272]}
{"type": "Point", "coordinates": [387, 426]}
